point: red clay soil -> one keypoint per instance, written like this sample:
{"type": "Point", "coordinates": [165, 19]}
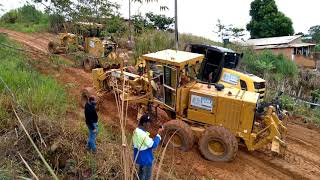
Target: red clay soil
{"type": "Point", "coordinates": [302, 159]}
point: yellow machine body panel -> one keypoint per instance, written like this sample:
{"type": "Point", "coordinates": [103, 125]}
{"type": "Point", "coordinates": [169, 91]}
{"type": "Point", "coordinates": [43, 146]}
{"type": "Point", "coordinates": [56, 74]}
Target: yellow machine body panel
{"type": "Point", "coordinates": [183, 98]}
{"type": "Point", "coordinates": [94, 47]}
{"type": "Point", "coordinates": [248, 82]}
{"type": "Point", "coordinates": [67, 39]}
{"type": "Point", "coordinates": [230, 107]}
{"type": "Point", "coordinates": [175, 58]}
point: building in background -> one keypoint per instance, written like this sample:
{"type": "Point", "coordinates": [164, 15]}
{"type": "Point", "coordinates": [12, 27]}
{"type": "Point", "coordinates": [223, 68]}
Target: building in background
{"type": "Point", "coordinates": [291, 46]}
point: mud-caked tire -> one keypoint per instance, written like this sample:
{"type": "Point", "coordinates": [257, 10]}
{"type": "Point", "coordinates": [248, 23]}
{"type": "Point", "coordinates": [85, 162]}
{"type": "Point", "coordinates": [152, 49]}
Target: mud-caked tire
{"type": "Point", "coordinates": [89, 64]}
{"type": "Point", "coordinates": [218, 144]}
{"type": "Point", "coordinates": [178, 134]}
{"type": "Point", "coordinates": [86, 93]}
{"type": "Point", "coordinates": [52, 47]}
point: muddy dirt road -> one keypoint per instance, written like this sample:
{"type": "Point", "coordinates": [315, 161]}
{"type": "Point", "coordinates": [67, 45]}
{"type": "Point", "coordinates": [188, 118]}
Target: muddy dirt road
{"type": "Point", "coordinates": [302, 160]}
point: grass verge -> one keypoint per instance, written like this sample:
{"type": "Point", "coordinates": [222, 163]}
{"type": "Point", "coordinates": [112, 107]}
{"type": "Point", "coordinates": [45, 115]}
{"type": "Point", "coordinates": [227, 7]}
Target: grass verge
{"type": "Point", "coordinates": [153, 40]}
{"type": "Point", "coordinates": [26, 27]}
{"type": "Point", "coordinates": [38, 93]}
{"type": "Point", "coordinates": [34, 93]}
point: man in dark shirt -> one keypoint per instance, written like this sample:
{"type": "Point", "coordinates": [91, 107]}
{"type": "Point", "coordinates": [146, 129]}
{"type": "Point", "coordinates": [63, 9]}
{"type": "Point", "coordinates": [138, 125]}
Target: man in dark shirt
{"type": "Point", "coordinates": [92, 123]}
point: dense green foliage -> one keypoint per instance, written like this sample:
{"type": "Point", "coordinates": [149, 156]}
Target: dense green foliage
{"type": "Point", "coordinates": [160, 22]}
{"type": "Point", "coordinates": [55, 23]}
{"type": "Point", "coordinates": [29, 19]}
{"type": "Point", "coordinates": [154, 40]}
{"type": "Point", "coordinates": [84, 10]}
{"type": "Point", "coordinates": [29, 14]}
{"type": "Point", "coordinates": [116, 26]}
{"type": "Point", "coordinates": [317, 48]}
{"type": "Point", "coordinates": [139, 23]}
{"type": "Point", "coordinates": [38, 93]}
{"type": "Point", "coordinates": [267, 21]}
{"type": "Point", "coordinates": [268, 63]}
{"type": "Point", "coordinates": [10, 17]}
{"type": "Point", "coordinates": [25, 19]}
{"type": "Point", "coordinates": [300, 108]}
{"type": "Point", "coordinates": [151, 21]}
{"type": "Point", "coordinates": [314, 32]}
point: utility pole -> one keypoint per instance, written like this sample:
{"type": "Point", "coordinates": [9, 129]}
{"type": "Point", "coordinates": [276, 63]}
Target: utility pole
{"type": "Point", "coordinates": [130, 33]}
{"type": "Point", "coordinates": [176, 24]}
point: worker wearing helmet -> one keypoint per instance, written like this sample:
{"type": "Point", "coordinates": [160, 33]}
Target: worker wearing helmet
{"type": "Point", "coordinates": [143, 146]}
{"type": "Point", "coordinates": [92, 123]}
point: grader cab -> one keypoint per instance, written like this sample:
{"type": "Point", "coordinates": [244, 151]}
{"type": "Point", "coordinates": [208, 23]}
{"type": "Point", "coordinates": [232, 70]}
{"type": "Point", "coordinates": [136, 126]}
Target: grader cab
{"type": "Point", "coordinates": [222, 117]}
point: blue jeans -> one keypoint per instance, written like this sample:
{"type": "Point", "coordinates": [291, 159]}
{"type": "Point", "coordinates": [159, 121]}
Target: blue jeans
{"type": "Point", "coordinates": [145, 172]}
{"type": "Point", "coordinates": [92, 138]}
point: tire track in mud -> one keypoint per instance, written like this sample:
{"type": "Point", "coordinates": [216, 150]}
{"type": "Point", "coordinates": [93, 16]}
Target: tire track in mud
{"type": "Point", "coordinates": [269, 169]}
{"type": "Point", "coordinates": [302, 160]}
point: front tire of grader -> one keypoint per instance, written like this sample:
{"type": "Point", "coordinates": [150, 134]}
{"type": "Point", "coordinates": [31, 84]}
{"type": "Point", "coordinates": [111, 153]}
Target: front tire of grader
{"type": "Point", "coordinates": [86, 93]}
{"type": "Point", "coordinates": [178, 134]}
{"type": "Point", "coordinates": [218, 144]}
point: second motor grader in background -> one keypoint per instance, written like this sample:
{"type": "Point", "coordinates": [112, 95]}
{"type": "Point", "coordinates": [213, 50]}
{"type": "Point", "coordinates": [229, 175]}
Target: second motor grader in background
{"type": "Point", "coordinates": [87, 37]}
{"type": "Point", "coordinates": [221, 117]}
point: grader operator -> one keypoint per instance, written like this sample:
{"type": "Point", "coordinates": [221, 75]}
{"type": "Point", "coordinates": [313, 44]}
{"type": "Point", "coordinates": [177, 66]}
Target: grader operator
{"type": "Point", "coordinates": [222, 117]}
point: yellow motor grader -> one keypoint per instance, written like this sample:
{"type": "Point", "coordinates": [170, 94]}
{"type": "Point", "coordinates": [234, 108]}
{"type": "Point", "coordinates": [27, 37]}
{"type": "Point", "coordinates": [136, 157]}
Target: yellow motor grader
{"type": "Point", "coordinates": [221, 117]}
{"type": "Point", "coordinates": [86, 37]}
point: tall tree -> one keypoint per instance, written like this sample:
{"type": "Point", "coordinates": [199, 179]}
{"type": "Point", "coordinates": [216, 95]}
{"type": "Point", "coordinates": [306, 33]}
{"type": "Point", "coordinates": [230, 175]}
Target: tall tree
{"type": "Point", "coordinates": [314, 32]}
{"type": "Point", "coordinates": [1, 8]}
{"type": "Point", "coordinates": [81, 10]}
{"type": "Point", "coordinates": [267, 21]}
{"type": "Point", "coordinates": [160, 22]}
{"type": "Point", "coordinates": [224, 31]}
{"type": "Point", "coordinates": [151, 21]}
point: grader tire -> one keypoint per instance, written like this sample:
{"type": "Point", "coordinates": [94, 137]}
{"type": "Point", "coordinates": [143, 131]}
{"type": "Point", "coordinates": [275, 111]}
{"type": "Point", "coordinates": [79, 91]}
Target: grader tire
{"type": "Point", "coordinates": [88, 64]}
{"type": "Point", "coordinates": [86, 93]}
{"type": "Point", "coordinates": [178, 134]}
{"type": "Point", "coordinates": [52, 47]}
{"type": "Point", "coordinates": [218, 144]}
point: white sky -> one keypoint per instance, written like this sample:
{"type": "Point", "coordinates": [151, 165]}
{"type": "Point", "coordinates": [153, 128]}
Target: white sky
{"type": "Point", "coordinates": [200, 16]}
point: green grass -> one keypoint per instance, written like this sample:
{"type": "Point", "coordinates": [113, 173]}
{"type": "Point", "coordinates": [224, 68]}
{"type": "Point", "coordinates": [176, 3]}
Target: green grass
{"type": "Point", "coordinates": [4, 175]}
{"type": "Point", "coordinates": [301, 109]}
{"type": "Point", "coordinates": [25, 19]}
{"type": "Point", "coordinates": [26, 27]}
{"type": "Point", "coordinates": [36, 92]}
{"type": "Point", "coordinates": [153, 40]}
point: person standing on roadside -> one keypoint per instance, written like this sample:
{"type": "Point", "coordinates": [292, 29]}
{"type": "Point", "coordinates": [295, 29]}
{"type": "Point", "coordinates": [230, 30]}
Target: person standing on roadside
{"type": "Point", "coordinates": [92, 123]}
{"type": "Point", "coordinates": [143, 147]}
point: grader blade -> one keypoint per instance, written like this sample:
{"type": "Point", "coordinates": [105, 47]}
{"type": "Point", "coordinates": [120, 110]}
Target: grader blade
{"type": "Point", "coordinates": [278, 146]}
{"type": "Point", "coordinates": [275, 147]}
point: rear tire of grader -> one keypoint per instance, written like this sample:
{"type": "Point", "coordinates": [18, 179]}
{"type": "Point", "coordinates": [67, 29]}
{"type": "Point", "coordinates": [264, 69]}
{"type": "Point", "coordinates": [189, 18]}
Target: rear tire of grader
{"type": "Point", "coordinates": [218, 144]}
{"type": "Point", "coordinates": [178, 134]}
{"type": "Point", "coordinates": [52, 47]}
{"type": "Point", "coordinates": [86, 93]}
{"type": "Point", "coordinates": [89, 64]}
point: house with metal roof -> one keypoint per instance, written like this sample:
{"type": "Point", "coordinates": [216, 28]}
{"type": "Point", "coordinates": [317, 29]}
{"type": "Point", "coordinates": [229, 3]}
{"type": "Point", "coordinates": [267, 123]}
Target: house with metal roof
{"type": "Point", "coordinates": [291, 46]}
